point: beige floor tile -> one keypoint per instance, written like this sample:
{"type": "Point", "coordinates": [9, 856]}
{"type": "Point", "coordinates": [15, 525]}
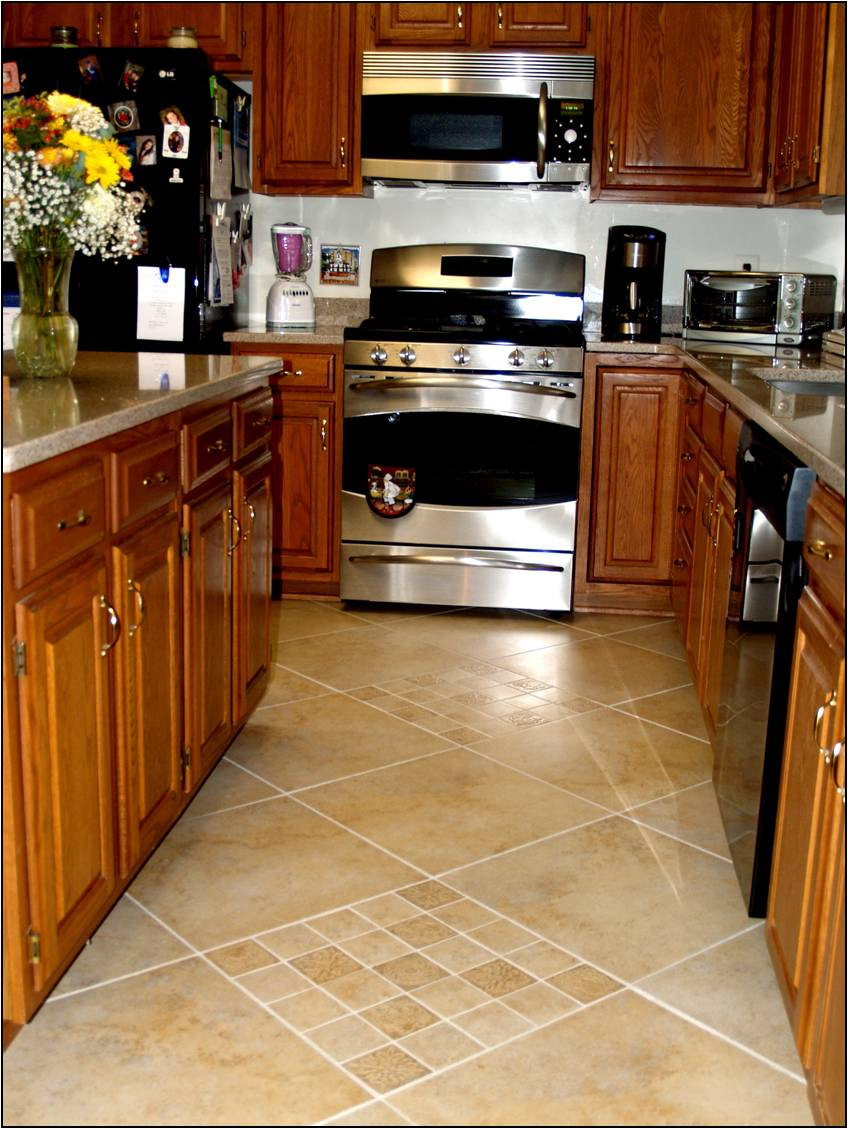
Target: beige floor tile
{"type": "Point", "coordinates": [377, 1113]}
{"type": "Point", "coordinates": [440, 1046]}
{"type": "Point", "coordinates": [270, 864]}
{"type": "Point", "coordinates": [306, 743]}
{"type": "Point", "coordinates": [458, 954]}
{"type": "Point", "coordinates": [129, 940]}
{"type": "Point", "coordinates": [400, 1016]}
{"type": "Point", "coordinates": [421, 931]}
{"type": "Point", "coordinates": [463, 915]}
{"type": "Point", "coordinates": [361, 989]}
{"type": "Point", "coordinates": [540, 1003]}
{"type": "Point", "coordinates": [691, 815]}
{"type": "Point", "coordinates": [731, 988]}
{"type": "Point", "coordinates": [325, 964]}
{"type": "Point", "coordinates": [628, 1063]}
{"type": "Point", "coordinates": [585, 984]}
{"type": "Point", "coordinates": [542, 959]}
{"type": "Point", "coordinates": [492, 1024]}
{"type": "Point", "coordinates": [246, 956]}
{"type": "Point", "coordinates": [346, 1038]}
{"type": "Point", "coordinates": [678, 709]}
{"type": "Point", "coordinates": [623, 897]}
{"type": "Point", "coordinates": [273, 983]}
{"type": "Point", "coordinates": [413, 971]}
{"type": "Point", "coordinates": [228, 786]}
{"type": "Point", "coordinates": [384, 910]}
{"type": "Point", "coordinates": [602, 669]}
{"type": "Point", "coordinates": [297, 619]}
{"type": "Point", "coordinates": [501, 936]}
{"type": "Point", "coordinates": [429, 895]}
{"type": "Point", "coordinates": [311, 1008]}
{"type": "Point", "coordinates": [364, 655]}
{"type": "Point", "coordinates": [139, 1052]}
{"type": "Point", "coordinates": [387, 614]}
{"type": "Point", "coordinates": [375, 947]}
{"type": "Point", "coordinates": [341, 925]}
{"type": "Point", "coordinates": [387, 1068]}
{"type": "Point", "coordinates": [450, 996]}
{"type": "Point", "coordinates": [607, 757]}
{"type": "Point", "coordinates": [497, 977]}
{"type": "Point", "coordinates": [663, 637]}
{"type": "Point", "coordinates": [486, 633]}
{"type": "Point", "coordinates": [447, 809]}
{"type": "Point", "coordinates": [287, 686]}
{"type": "Point", "coordinates": [292, 941]}
{"type": "Point", "coordinates": [607, 623]}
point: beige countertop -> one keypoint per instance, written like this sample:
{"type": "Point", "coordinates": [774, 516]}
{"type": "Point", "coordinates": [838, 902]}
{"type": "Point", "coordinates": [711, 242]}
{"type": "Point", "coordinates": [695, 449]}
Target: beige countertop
{"type": "Point", "coordinates": [109, 392]}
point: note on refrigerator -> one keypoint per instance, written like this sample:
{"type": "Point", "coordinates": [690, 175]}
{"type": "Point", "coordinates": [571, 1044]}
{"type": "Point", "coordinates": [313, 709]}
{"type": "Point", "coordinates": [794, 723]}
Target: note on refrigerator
{"type": "Point", "coordinates": [161, 371]}
{"type": "Point", "coordinates": [161, 303]}
{"type": "Point", "coordinates": [221, 270]}
{"type": "Point", "coordinates": [220, 164]}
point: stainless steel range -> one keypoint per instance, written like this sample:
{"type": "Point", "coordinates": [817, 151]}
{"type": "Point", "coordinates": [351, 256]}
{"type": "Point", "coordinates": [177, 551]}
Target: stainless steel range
{"type": "Point", "coordinates": [463, 394]}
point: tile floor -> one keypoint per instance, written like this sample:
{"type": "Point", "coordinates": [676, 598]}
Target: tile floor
{"type": "Point", "coordinates": [460, 868]}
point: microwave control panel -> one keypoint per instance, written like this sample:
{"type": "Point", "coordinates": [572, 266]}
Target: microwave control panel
{"type": "Point", "coordinates": [569, 130]}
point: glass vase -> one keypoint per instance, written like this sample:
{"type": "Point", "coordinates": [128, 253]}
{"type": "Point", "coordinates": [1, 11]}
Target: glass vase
{"type": "Point", "coordinates": [44, 334]}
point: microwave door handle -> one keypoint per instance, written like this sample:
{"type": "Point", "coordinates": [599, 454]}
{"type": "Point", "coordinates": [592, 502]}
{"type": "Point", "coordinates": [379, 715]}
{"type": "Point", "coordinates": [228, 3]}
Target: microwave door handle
{"type": "Point", "coordinates": [542, 130]}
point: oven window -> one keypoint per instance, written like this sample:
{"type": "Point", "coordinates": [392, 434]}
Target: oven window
{"type": "Point", "coordinates": [466, 458]}
{"type": "Point", "coordinates": [751, 306]}
{"type": "Point", "coordinates": [449, 127]}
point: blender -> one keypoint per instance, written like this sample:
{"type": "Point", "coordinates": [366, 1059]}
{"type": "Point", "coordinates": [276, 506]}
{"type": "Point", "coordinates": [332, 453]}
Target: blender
{"type": "Point", "coordinates": [290, 302]}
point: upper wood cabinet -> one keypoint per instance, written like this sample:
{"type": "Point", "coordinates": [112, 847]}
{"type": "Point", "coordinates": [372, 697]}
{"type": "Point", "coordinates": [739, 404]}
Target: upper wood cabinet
{"type": "Point", "coordinates": [476, 25]}
{"type": "Point", "coordinates": [305, 137]}
{"type": "Point", "coordinates": [442, 24]}
{"type": "Point", "coordinates": [537, 25]}
{"type": "Point", "coordinates": [809, 116]}
{"type": "Point", "coordinates": [687, 100]}
{"type": "Point", "coordinates": [224, 31]}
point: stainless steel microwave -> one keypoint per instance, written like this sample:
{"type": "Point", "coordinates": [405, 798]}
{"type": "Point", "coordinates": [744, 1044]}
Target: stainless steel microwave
{"type": "Point", "coordinates": [757, 307]}
{"type": "Point", "coordinates": [451, 118]}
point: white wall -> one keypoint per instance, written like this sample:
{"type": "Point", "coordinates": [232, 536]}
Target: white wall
{"type": "Point", "coordinates": [697, 237]}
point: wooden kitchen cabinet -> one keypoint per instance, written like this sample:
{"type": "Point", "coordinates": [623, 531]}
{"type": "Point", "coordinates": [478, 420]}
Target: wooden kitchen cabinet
{"type": "Point", "coordinates": [252, 571]}
{"type": "Point", "coordinates": [305, 101]}
{"type": "Point", "coordinates": [479, 25]}
{"type": "Point", "coordinates": [416, 24]}
{"type": "Point", "coordinates": [537, 25]}
{"type": "Point", "coordinates": [805, 923]}
{"type": "Point", "coordinates": [686, 114]}
{"type": "Point", "coordinates": [809, 116]}
{"type": "Point", "coordinates": [28, 25]}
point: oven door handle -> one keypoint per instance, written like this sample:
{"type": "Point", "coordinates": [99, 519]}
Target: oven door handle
{"type": "Point", "coordinates": [542, 130]}
{"type": "Point", "coordinates": [435, 559]}
{"type": "Point", "coordinates": [463, 382]}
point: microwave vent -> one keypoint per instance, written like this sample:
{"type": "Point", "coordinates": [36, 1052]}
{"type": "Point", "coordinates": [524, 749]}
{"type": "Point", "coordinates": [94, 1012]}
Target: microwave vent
{"type": "Point", "coordinates": [452, 64]}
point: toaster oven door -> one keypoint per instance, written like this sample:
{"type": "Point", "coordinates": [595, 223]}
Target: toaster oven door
{"type": "Point", "coordinates": [742, 302]}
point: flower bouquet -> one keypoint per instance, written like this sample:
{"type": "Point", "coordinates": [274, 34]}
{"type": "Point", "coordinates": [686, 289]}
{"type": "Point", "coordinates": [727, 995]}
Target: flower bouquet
{"type": "Point", "coordinates": [65, 189]}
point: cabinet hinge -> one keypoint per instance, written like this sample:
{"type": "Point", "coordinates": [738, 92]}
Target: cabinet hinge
{"type": "Point", "coordinates": [243, 38]}
{"type": "Point", "coordinates": [185, 543]}
{"type": "Point", "coordinates": [768, 169]}
{"type": "Point", "coordinates": [816, 154]}
{"type": "Point", "coordinates": [185, 762]}
{"type": "Point", "coordinates": [33, 946]}
{"type": "Point", "coordinates": [18, 658]}
{"type": "Point", "coordinates": [588, 23]}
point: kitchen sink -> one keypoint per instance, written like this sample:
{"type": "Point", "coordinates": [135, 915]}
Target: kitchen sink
{"type": "Point", "coordinates": [809, 387]}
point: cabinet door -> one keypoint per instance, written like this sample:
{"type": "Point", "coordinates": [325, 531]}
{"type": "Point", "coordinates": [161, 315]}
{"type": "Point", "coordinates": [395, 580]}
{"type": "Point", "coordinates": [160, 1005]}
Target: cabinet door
{"type": "Point", "coordinates": [252, 593]}
{"type": "Point", "coordinates": [802, 32]}
{"type": "Point", "coordinates": [688, 87]}
{"type": "Point", "coordinates": [304, 540]}
{"type": "Point", "coordinates": [426, 23]}
{"type": "Point", "coordinates": [221, 28]}
{"type": "Point", "coordinates": [66, 729]}
{"type": "Point", "coordinates": [305, 99]}
{"type": "Point", "coordinates": [634, 476]}
{"type": "Point", "coordinates": [711, 651]}
{"type": "Point", "coordinates": [207, 628]}
{"type": "Point", "coordinates": [703, 564]}
{"type": "Point", "coordinates": [806, 791]}
{"type": "Point", "coordinates": [538, 25]}
{"type": "Point", "coordinates": [148, 665]}
{"type": "Point", "coordinates": [28, 25]}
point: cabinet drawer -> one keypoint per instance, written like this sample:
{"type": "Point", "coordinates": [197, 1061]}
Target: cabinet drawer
{"type": "Point", "coordinates": [824, 547]}
{"type": "Point", "coordinates": [55, 519]}
{"type": "Point", "coordinates": [686, 510]}
{"type": "Point", "coordinates": [712, 423]}
{"type": "Point", "coordinates": [690, 450]}
{"type": "Point", "coordinates": [143, 478]}
{"type": "Point", "coordinates": [691, 398]}
{"type": "Point", "coordinates": [310, 372]}
{"type": "Point", "coordinates": [207, 445]}
{"type": "Point", "coordinates": [253, 417]}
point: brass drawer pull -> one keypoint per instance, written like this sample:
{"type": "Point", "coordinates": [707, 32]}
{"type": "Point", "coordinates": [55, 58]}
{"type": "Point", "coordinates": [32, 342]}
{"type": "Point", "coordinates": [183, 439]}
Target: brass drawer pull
{"type": "Point", "coordinates": [500, 17]}
{"type": "Point", "coordinates": [821, 549]}
{"type": "Point", "coordinates": [829, 703]}
{"type": "Point", "coordinates": [139, 600]}
{"type": "Point", "coordinates": [158, 479]}
{"type": "Point", "coordinates": [838, 750]}
{"type": "Point", "coordinates": [236, 527]}
{"type": "Point", "coordinates": [263, 422]}
{"type": "Point", "coordinates": [218, 445]}
{"type": "Point", "coordinates": [82, 518]}
{"type": "Point", "coordinates": [679, 562]}
{"type": "Point", "coordinates": [251, 513]}
{"type": "Point", "coordinates": [684, 510]}
{"type": "Point", "coordinates": [687, 457]}
{"type": "Point", "coordinates": [323, 435]}
{"type": "Point", "coordinates": [611, 157]}
{"type": "Point", "coordinates": [289, 372]}
{"type": "Point", "coordinates": [114, 623]}
{"type": "Point", "coordinates": [690, 401]}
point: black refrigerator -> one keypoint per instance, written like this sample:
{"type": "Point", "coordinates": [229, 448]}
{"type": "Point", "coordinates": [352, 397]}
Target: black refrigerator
{"type": "Point", "coordinates": [188, 132]}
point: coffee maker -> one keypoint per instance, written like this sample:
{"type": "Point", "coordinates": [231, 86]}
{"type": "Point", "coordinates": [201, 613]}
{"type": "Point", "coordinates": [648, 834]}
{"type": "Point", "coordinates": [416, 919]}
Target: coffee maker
{"type": "Point", "coordinates": [632, 309]}
{"type": "Point", "coordinates": [290, 303]}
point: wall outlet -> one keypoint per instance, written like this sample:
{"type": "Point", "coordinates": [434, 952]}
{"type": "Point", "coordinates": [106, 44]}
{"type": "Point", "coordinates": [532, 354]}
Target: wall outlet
{"type": "Point", "coordinates": [746, 262]}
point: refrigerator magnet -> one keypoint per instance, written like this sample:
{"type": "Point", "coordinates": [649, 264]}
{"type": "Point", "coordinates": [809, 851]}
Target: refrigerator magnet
{"type": "Point", "coordinates": [145, 148]}
{"type": "Point", "coordinates": [89, 70]}
{"type": "Point", "coordinates": [172, 115]}
{"type": "Point", "coordinates": [124, 115]}
{"type": "Point", "coordinates": [175, 142]}
{"type": "Point", "coordinates": [11, 79]}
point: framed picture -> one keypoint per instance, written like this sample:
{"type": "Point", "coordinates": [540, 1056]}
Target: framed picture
{"type": "Point", "coordinates": [340, 264]}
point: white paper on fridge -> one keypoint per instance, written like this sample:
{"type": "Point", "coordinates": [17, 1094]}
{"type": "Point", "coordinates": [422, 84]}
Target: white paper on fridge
{"type": "Point", "coordinates": [161, 302]}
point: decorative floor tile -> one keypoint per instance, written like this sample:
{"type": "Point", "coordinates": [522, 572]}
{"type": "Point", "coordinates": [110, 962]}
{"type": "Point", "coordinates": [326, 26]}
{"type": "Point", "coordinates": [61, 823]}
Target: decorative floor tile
{"type": "Point", "coordinates": [497, 977]}
{"type": "Point", "coordinates": [411, 972]}
{"type": "Point", "coordinates": [387, 1068]}
{"type": "Point", "coordinates": [292, 940]}
{"type": "Point", "coordinates": [361, 989]}
{"type": "Point", "coordinates": [400, 1017]}
{"type": "Point", "coordinates": [458, 954]}
{"type": "Point", "coordinates": [385, 910]}
{"type": "Point", "coordinates": [326, 964]}
{"type": "Point", "coordinates": [585, 983]}
{"type": "Point", "coordinates": [429, 895]}
{"type": "Point", "coordinates": [246, 956]}
{"type": "Point", "coordinates": [339, 926]}
{"type": "Point", "coordinates": [422, 930]}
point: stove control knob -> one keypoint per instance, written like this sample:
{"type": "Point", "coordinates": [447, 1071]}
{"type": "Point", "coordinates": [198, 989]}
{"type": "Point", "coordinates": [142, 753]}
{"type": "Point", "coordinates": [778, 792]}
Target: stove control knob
{"type": "Point", "coordinates": [407, 355]}
{"type": "Point", "coordinates": [516, 358]}
{"type": "Point", "coordinates": [461, 356]}
{"type": "Point", "coordinates": [379, 355]}
{"type": "Point", "coordinates": [545, 359]}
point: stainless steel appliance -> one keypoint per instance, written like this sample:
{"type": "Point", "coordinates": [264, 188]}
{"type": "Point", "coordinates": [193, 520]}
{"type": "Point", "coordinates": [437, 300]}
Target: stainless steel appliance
{"type": "Point", "coordinates": [772, 492]}
{"type": "Point", "coordinates": [477, 118]}
{"type": "Point", "coordinates": [633, 279]}
{"type": "Point", "coordinates": [290, 304]}
{"type": "Point", "coordinates": [758, 307]}
{"type": "Point", "coordinates": [468, 377]}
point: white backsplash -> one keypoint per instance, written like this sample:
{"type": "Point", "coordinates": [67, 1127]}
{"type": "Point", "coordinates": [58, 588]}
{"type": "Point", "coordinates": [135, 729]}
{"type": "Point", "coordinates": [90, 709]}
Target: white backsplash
{"type": "Point", "coordinates": [696, 237]}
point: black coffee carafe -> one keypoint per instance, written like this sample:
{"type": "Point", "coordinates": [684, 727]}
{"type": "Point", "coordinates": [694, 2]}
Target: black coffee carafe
{"type": "Point", "coordinates": [632, 308]}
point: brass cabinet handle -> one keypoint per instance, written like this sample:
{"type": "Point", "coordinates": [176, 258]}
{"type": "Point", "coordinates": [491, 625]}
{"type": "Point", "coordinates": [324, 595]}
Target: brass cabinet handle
{"type": "Point", "coordinates": [611, 157]}
{"type": "Point", "coordinates": [251, 513]}
{"type": "Point", "coordinates": [262, 422]}
{"type": "Point", "coordinates": [838, 750]}
{"type": "Point", "coordinates": [459, 15]}
{"type": "Point", "coordinates": [139, 603]}
{"type": "Point", "coordinates": [323, 435]}
{"type": "Point", "coordinates": [690, 401]}
{"type": "Point", "coordinates": [342, 153]}
{"type": "Point", "coordinates": [829, 703]}
{"type": "Point", "coordinates": [114, 623]}
{"type": "Point", "coordinates": [98, 33]}
{"type": "Point", "coordinates": [713, 530]}
{"type": "Point", "coordinates": [236, 526]}
{"type": "Point", "coordinates": [157, 479]}
{"type": "Point", "coordinates": [136, 29]}
{"type": "Point", "coordinates": [288, 372]}
{"type": "Point", "coordinates": [821, 549]}
{"type": "Point", "coordinates": [684, 509]}
{"type": "Point", "coordinates": [82, 518]}
{"type": "Point", "coordinates": [679, 562]}
{"type": "Point", "coordinates": [500, 17]}
{"type": "Point", "coordinates": [687, 457]}
{"type": "Point", "coordinates": [218, 445]}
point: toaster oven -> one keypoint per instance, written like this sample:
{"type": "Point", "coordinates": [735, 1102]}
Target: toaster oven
{"type": "Point", "coordinates": [757, 307]}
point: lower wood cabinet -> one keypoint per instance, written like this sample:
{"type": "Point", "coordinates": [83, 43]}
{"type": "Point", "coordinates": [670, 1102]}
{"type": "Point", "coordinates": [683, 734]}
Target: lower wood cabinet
{"type": "Point", "coordinates": [253, 503]}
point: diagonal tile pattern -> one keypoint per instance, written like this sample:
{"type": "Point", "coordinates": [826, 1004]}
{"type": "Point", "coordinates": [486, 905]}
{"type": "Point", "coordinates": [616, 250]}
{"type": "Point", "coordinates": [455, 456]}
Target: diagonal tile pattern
{"type": "Point", "coordinates": [460, 867]}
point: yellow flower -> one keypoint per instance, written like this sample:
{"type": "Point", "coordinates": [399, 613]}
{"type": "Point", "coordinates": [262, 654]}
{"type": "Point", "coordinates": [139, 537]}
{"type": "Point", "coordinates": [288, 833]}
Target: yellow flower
{"type": "Point", "coordinates": [52, 155]}
{"type": "Point", "coordinates": [117, 152]}
{"type": "Point", "coordinates": [101, 167]}
{"type": "Point", "coordinates": [77, 141]}
{"type": "Point", "coordinates": [64, 104]}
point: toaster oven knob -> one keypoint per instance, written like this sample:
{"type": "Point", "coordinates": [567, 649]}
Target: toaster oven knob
{"type": "Point", "coordinates": [545, 359]}
{"type": "Point", "coordinates": [516, 358]}
{"type": "Point", "coordinates": [789, 323]}
{"type": "Point", "coordinates": [379, 355]}
{"type": "Point", "coordinates": [790, 304]}
{"type": "Point", "coordinates": [461, 356]}
{"type": "Point", "coordinates": [791, 285]}
{"type": "Point", "coordinates": [407, 355]}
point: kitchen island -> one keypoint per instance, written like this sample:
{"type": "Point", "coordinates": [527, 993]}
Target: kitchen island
{"type": "Point", "coordinates": [136, 599]}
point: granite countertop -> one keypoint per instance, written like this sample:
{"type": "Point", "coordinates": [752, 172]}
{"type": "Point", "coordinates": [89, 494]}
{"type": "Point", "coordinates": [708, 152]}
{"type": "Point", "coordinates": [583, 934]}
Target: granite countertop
{"type": "Point", "coordinates": [811, 424]}
{"type": "Point", "coordinates": [332, 317]}
{"type": "Point", "coordinates": [107, 393]}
